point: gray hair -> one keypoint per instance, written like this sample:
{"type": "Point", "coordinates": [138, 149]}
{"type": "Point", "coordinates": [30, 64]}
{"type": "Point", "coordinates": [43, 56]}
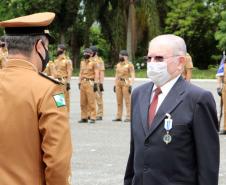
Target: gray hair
{"type": "Point", "coordinates": [177, 43]}
{"type": "Point", "coordinates": [22, 44]}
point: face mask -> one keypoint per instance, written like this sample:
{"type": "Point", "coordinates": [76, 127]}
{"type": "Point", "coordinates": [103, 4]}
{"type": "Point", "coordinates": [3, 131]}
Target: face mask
{"type": "Point", "coordinates": [60, 52]}
{"type": "Point", "coordinates": [121, 59]}
{"type": "Point", "coordinates": [94, 54]}
{"type": "Point", "coordinates": [157, 72]}
{"type": "Point", "coordinates": [86, 57]}
{"type": "Point", "coordinates": [44, 60]}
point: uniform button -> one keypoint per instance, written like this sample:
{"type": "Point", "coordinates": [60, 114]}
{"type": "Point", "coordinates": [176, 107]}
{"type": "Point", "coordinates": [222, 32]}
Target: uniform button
{"type": "Point", "coordinates": [146, 143]}
{"type": "Point", "coordinates": [146, 168]}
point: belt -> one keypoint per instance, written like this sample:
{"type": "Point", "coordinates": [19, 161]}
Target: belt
{"type": "Point", "coordinates": [62, 78]}
{"type": "Point", "coordinates": [88, 79]}
{"type": "Point", "coordinates": [122, 79]}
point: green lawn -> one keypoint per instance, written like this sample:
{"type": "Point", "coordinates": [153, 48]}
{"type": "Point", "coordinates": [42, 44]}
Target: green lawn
{"type": "Point", "coordinates": [197, 74]}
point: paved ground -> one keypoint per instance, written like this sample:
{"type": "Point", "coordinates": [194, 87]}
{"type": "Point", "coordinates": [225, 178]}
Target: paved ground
{"type": "Point", "coordinates": [101, 150]}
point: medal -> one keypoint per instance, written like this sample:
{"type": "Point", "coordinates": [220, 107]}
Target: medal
{"type": "Point", "coordinates": [167, 138]}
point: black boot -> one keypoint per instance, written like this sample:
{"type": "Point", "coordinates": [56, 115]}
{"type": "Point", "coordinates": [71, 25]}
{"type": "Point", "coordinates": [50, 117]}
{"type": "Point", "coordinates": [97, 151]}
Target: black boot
{"type": "Point", "coordinates": [117, 119]}
{"type": "Point", "coordinates": [83, 121]}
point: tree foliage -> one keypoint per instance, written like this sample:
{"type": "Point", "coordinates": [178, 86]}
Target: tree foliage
{"type": "Point", "coordinates": [119, 24]}
{"type": "Point", "coordinates": [194, 21]}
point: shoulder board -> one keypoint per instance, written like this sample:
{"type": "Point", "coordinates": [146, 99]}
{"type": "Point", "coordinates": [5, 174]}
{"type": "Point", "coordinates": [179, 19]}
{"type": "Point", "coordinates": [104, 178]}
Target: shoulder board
{"type": "Point", "coordinates": [51, 79]}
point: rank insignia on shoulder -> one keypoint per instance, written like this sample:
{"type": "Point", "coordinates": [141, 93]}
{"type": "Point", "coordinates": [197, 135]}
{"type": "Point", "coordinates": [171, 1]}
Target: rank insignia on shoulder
{"type": "Point", "coordinates": [59, 100]}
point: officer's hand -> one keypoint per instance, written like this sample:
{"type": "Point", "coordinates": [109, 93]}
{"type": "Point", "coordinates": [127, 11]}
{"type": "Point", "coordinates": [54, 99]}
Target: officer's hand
{"type": "Point", "coordinates": [219, 91]}
{"type": "Point", "coordinates": [95, 87]}
{"type": "Point", "coordinates": [130, 89]}
{"type": "Point", "coordinates": [79, 85]}
{"type": "Point", "coordinates": [68, 86]}
{"type": "Point", "coordinates": [114, 88]}
{"type": "Point", "coordinates": [101, 87]}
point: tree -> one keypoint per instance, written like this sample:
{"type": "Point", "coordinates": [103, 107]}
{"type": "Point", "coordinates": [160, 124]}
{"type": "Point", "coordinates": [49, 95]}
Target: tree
{"type": "Point", "coordinates": [148, 24]}
{"type": "Point", "coordinates": [194, 21]}
{"type": "Point", "coordinates": [114, 25]}
{"type": "Point", "coordinates": [131, 30]}
{"type": "Point", "coordinates": [220, 34]}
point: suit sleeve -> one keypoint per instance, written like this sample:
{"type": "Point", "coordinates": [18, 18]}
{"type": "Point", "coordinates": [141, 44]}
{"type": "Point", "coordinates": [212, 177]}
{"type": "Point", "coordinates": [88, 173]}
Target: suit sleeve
{"type": "Point", "coordinates": [129, 168]}
{"type": "Point", "coordinates": [205, 129]}
{"type": "Point", "coordinates": [56, 139]}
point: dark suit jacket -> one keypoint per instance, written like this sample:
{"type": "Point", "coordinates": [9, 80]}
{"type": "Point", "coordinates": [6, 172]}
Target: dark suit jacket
{"type": "Point", "coordinates": [192, 158]}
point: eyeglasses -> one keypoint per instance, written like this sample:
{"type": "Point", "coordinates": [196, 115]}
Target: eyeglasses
{"type": "Point", "coordinates": [158, 58]}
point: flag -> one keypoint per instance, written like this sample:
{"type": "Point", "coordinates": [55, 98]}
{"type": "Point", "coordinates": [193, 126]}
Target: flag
{"type": "Point", "coordinates": [220, 71]}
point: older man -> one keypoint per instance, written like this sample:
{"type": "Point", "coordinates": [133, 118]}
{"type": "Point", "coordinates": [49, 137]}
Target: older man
{"type": "Point", "coordinates": [35, 140]}
{"type": "Point", "coordinates": [174, 137]}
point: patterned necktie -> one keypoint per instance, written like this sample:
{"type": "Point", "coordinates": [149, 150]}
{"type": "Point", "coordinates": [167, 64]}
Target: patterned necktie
{"type": "Point", "coordinates": [153, 105]}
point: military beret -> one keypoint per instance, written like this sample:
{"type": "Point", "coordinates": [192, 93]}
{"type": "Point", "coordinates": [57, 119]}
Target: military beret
{"type": "Point", "coordinates": [61, 46]}
{"type": "Point", "coordinates": [94, 48]}
{"type": "Point", "coordinates": [123, 53]}
{"type": "Point", "coordinates": [30, 25]}
{"type": "Point", "coordinates": [87, 50]}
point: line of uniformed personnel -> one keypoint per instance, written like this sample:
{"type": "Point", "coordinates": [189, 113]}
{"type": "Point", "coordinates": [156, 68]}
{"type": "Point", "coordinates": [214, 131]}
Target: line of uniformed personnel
{"type": "Point", "coordinates": [91, 78]}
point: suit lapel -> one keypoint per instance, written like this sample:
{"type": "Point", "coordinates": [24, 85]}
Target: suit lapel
{"type": "Point", "coordinates": [144, 106]}
{"type": "Point", "coordinates": [172, 100]}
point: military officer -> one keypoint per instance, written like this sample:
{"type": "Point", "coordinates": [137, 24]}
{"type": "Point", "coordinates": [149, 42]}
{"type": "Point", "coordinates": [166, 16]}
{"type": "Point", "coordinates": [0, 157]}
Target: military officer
{"type": "Point", "coordinates": [187, 74]}
{"type": "Point", "coordinates": [124, 79]}
{"type": "Point", "coordinates": [3, 54]}
{"type": "Point", "coordinates": [35, 141]}
{"type": "Point", "coordinates": [221, 90]}
{"type": "Point", "coordinates": [63, 66]}
{"type": "Point", "coordinates": [88, 79]}
{"type": "Point", "coordinates": [100, 87]}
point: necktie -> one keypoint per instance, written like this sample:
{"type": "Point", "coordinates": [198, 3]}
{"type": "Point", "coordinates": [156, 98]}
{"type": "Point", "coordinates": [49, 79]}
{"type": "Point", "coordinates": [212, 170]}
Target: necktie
{"type": "Point", "coordinates": [153, 105]}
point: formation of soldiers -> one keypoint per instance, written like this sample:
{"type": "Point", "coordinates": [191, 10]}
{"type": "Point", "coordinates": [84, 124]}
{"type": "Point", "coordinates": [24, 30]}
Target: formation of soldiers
{"type": "Point", "coordinates": [91, 79]}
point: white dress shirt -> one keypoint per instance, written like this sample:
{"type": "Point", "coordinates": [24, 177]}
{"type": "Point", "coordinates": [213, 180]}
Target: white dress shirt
{"type": "Point", "coordinates": [165, 90]}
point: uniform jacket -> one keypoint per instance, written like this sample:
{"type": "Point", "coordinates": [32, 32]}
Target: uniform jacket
{"type": "Point", "coordinates": [192, 157]}
{"type": "Point", "coordinates": [124, 70]}
{"type": "Point", "coordinates": [35, 142]}
{"type": "Point", "coordinates": [63, 66]}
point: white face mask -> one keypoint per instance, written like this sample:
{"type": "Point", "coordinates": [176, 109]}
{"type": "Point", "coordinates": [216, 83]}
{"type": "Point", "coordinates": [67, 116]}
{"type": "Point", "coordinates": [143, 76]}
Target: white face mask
{"type": "Point", "coordinates": [157, 72]}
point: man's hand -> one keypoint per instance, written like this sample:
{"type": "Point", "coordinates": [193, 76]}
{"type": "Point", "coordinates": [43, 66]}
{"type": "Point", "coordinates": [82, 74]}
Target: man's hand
{"type": "Point", "coordinates": [101, 87]}
{"type": "Point", "coordinates": [95, 87]}
{"type": "Point", "coordinates": [219, 91]}
{"type": "Point", "coordinates": [68, 86]}
{"type": "Point", "coordinates": [130, 89]}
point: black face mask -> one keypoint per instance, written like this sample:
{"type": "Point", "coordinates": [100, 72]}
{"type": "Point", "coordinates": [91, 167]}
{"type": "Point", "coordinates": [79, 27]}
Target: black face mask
{"type": "Point", "coordinates": [44, 60]}
{"type": "Point", "coordinates": [60, 52]}
{"type": "Point", "coordinates": [86, 57]}
{"type": "Point", "coordinates": [121, 59]}
{"type": "Point", "coordinates": [94, 54]}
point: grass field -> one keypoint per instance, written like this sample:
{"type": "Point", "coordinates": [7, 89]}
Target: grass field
{"type": "Point", "coordinates": [197, 74]}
